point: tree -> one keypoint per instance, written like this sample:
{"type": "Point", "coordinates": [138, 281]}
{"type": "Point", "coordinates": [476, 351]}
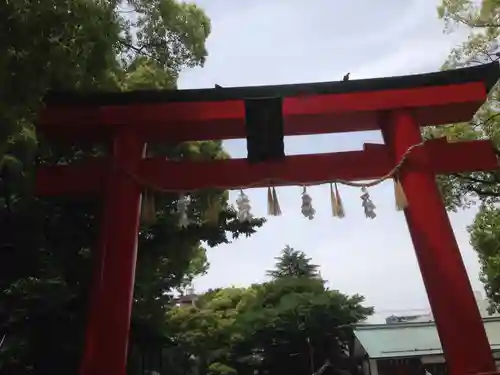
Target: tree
{"type": "Point", "coordinates": [463, 190]}
{"type": "Point", "coordinates": [45, 243]}
{"type": "Point", "coordinates": [291, 324]}
{"type": "Point", "coordinates": [485, 239]}
{"type": "Point", "coordinates": [482, 46]}
{"type": "Point", "coordinates": [296, 325]}
{"type": "Point", "coordinates": [293, 263]}
{"type": "Point", "coordinates": [206, 332]}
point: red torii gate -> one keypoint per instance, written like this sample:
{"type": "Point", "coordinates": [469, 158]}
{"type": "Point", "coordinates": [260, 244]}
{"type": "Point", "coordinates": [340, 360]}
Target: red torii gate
{"type": "Point", "coordinates": [398, 106]}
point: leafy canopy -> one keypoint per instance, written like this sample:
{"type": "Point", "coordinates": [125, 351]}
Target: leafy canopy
{"type": "Point", "coordinates": [289, 324]}
{"type": "Point", "coordinates": [461, 190]}
{"type": "Point", "coordinates": [45, 244]}
{"type": "Point", "coordinates": [482, 20]}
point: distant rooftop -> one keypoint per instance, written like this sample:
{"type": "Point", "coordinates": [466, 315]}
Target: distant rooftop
{"type": "Point", "coordinates": [411, 338]}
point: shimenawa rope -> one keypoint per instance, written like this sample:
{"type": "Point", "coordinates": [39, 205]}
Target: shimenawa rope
{"type": "Point", "coordinates": [273, 181]}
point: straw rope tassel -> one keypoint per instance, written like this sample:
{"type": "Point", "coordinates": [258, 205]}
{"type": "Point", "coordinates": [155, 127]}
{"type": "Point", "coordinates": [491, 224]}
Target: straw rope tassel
{"type": "Point", "coordinates": [270, 202]}
{"type": "Point", "coordinates": [401, 201]}
{"type": "Point", "coordinates": [339, 208]}
{"type": "Point", "coordinates": [273, 206]}
{"type": "Point", "coordinates": [276, 204]}
{"type": "Point", "coordinates": [148, 209]}
{"type": "Point", "coordinates": [333, 201]}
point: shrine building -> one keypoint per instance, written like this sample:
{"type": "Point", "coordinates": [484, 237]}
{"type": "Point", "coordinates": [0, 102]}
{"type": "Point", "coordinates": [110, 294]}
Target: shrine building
{"type": "Point", "coordinates": [410, 348]}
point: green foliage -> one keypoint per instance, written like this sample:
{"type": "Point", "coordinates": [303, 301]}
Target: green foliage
{"type": "Point", "coordinates": [45, 244]}
{"type": "Point", "coordinates": [483, 20]}
{"type": "Point", "coordinates": [485, 239]}
{"type": "Point", "coordinates": [293, 263]}
{"type": "Point", "coordinates": [295, 323]}
{"type": "Point", "coordinates": [217, 368]}
{"type": "Point", "coordinates": [462, 190]}
{"type": "Point", "coordinates": [206, 331]}
{"type": "Point", "coordinates": [288, 325]}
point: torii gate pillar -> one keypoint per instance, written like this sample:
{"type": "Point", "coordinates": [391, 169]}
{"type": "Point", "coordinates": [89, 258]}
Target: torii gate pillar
{"type": "Point", "coordinates": [441, 265]}
{"type": "Point", "coordinates": [107, 334]}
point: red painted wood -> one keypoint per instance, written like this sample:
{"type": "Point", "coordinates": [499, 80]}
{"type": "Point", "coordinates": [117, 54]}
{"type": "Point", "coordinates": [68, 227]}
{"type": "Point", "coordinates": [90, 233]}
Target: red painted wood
{"type": "Point", "coordinates": [455, 157]}
{"type": "Point", "coordinates": [88, 362]}
{"type": "Point", "coordinates": [234, 129]}
{"type": "Point", "coordinates": [371, 163]}
{"type": "Point", "coordinates": [106, 350]}
{"type": "Point", "coordinates": [458, 321]}
{"type": "Point", "coordinates": [182, 121]}
{"type": "Point", "coordinates": [384, 100]}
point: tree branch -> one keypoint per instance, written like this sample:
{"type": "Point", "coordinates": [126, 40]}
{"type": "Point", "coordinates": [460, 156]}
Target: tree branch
{"type": "Point", "coordinates": [475, 24]}
{"type": "Point", "coordinates": [482, 25]}
{"type": "Point", "coordinates": [132, 47]}
{"type": "Point", "coordinates": [485, 193]}
{"type": "Point", "coordinates": [475, 179]}
{"type": "Point", "coordinates": [140, 51]}
{"type": "Point", "coordinates": [491, 118]}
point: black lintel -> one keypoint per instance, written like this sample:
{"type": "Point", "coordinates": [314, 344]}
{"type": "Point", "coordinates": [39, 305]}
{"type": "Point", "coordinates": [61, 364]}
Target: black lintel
{"type": "Point", "coordinates": [265, 129]}
{"type": "Point", "coordinates": [488, 74]}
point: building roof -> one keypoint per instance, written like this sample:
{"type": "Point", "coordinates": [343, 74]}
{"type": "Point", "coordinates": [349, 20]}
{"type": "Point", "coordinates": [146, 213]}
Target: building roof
{"type": "Point", "coordinates": [411, 339]}
{"type": "Point", "coordinates": [487, 73]}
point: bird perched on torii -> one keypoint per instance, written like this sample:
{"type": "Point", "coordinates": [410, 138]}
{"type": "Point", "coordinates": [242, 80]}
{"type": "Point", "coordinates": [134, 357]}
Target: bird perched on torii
{"type": "Point", "coordinates": [346, 77]}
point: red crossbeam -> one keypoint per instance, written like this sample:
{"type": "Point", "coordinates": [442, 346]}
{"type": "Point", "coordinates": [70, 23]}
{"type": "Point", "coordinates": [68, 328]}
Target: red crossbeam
{"type": "Point", "coordinates": [331, 113]}
{"type": "Point", "coordinates": [436, 156]}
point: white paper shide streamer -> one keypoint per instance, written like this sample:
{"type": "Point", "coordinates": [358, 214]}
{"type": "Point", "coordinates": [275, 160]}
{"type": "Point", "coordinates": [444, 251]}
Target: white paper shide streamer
{"type": "Point", "coordinates": [307, 209]}
{"type": "Point", "coordinates": [243, 207]}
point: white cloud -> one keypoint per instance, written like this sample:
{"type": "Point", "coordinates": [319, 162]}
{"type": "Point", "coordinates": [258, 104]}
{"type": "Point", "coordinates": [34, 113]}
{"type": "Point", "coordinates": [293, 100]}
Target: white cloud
{"type": "Point", "coordinates": [420, 56]}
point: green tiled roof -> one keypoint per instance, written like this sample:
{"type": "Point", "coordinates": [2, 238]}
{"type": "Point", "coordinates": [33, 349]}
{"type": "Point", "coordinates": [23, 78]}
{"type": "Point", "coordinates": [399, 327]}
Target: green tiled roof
{"type": "Point", "coordinates": [412, 339]}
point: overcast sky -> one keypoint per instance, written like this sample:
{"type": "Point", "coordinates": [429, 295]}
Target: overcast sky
{"type": "Point", "coordinates": [289, 41]}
